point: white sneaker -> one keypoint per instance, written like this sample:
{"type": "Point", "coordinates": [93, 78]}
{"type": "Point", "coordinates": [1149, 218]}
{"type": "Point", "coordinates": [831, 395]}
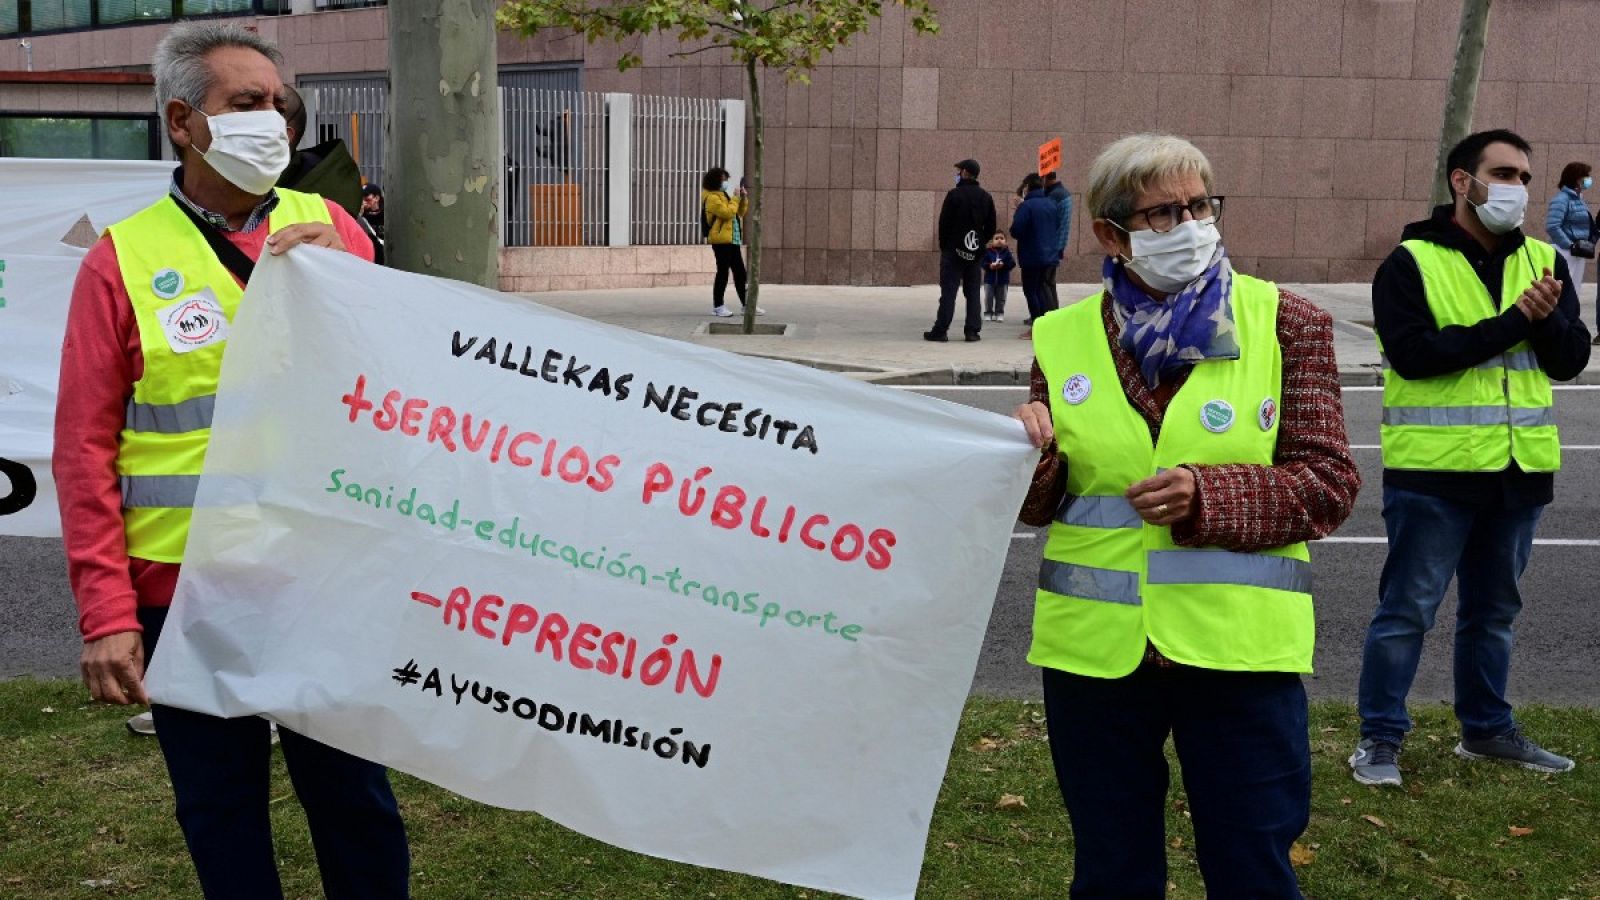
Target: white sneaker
{"type": "Point", "coordinates": [999, 318]}
{"type": "Point", "coordinates": [142, 724]}
{"type": "Point", "coordinates": [759, 311]}
{"type": "Point", "coordinates": [722, 312]}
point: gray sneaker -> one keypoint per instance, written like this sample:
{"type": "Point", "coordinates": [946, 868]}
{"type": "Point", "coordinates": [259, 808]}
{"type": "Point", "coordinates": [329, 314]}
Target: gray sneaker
{"type": "Point", "coordinates": [1375, 762]}
{"type": "Point", "coordinates": [1515, 748]}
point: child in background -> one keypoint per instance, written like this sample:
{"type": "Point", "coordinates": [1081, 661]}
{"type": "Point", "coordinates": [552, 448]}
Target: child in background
{"type": "Point", "coordinates": [997, 265]}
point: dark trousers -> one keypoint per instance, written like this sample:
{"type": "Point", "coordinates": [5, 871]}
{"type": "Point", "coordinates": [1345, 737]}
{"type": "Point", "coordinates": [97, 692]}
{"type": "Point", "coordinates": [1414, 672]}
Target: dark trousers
{"type": "Point", "coordinates": [1052, 301]}
{"type": "Point", "coordinates": [1033, 291]}
{"type": "Point", "coordinates": [730, 258]}
{"type": "Point", "coordinates": [967, 274]}
{"type": "Point", "coordinates": [1431, 540]}
{"type": "Point", "coordinates": [1245, 754]}
{"type": "Point", "coordinates": [219, 771]}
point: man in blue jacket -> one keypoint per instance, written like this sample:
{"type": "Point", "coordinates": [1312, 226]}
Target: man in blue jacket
{"type": "Point", "coordinates": [1034, 227]}
{"type": "Point", "coordinates": [1062, 198]}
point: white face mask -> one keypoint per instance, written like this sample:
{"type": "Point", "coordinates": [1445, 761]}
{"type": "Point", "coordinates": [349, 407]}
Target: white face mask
{"type": "Point", "coordinates": [1168, 262]}
{"type": "Point", "coordinates": [1504, 208]}
{"type": "Point", "coordinates": [250, 149]}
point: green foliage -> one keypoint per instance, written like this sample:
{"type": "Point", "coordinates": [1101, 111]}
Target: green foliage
{"type": "Point", "coordinates": [85, 810]}
{"type": "Point", "coordinates": [790, 36]}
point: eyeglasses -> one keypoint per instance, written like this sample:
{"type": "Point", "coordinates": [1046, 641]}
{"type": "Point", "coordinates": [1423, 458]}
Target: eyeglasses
{"type": "Point", "coordinates": [1164, 217]}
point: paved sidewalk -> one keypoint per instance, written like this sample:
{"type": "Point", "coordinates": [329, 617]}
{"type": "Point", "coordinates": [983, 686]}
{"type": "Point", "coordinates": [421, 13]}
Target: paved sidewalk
{"type": "Point", "coordinates": [875, 333]}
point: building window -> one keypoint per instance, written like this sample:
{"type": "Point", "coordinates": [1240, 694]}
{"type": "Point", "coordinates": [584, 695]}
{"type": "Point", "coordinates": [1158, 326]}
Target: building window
{"type": "Point", "coordinates": [79, 137]}
{"type": "Point", "coordinates": [31, 16]}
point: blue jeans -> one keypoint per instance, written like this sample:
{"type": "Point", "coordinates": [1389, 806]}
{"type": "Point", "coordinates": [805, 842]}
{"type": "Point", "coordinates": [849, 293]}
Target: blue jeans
{"type": "Point", "coordinates": [219, 771]}
{"type": "Point", "coordinates": [1432, 539]}
{"type": "Point", "coordinates": [1242, 741]}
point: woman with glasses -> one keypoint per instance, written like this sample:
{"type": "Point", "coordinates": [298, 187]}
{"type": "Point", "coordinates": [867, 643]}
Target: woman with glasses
{"type": "Point", "coordinates": [1192, 443]}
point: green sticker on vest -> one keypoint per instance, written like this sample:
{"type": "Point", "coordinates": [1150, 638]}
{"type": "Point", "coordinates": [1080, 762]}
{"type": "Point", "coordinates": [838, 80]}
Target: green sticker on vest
{"type": "Point", "coordinates": [167, 284]}
{"type": "Point", "coordinates": [1216, 416]}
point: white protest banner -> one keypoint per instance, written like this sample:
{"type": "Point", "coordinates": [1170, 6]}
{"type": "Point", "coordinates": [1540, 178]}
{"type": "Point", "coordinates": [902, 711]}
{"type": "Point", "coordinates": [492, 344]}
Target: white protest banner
{"type": "Point", "coordinates": [715, 609]}
{"type": "Point", "coordinates": [41, 202]}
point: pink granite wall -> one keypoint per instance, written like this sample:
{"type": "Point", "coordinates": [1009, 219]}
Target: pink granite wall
{"type": "Point", "coordinates": [1320, 116]}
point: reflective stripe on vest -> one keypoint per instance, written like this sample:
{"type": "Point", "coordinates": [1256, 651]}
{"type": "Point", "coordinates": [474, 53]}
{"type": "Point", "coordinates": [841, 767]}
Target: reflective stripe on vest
{"type": "Point", "coordinates": [1516, 361]}
{"type": "Point", "coordinates": [1111, 584]}
{"type": "Point", "coordinates": [1098, 512]}
{"type": "Point", "coordinates": [1478, 419]}
{"type": "Point", "coordinates": [147, 491]}
{"type": "Point", "coordinates": [168, 419]}
{"type": "Point", "coordinates": [171, 418]}
{"type": "Point", "coordinates": [1280, 573]}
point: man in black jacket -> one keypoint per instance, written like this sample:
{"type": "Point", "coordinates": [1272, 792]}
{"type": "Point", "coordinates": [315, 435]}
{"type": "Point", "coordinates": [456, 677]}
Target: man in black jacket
{"type": "Point", "coordinates": [966, 222]}
{"type": "Point", "coordinates": [1475, 319]}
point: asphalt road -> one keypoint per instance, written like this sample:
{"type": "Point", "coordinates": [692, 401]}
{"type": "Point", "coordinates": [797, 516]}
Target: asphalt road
{"type": "Point", "coordinates": [1558, 634]}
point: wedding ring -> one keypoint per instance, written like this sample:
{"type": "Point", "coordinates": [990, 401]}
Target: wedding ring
{"type": "Point", "coordinates": [1161, 510]}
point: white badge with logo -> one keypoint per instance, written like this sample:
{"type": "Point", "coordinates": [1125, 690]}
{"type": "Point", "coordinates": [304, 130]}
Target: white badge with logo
{"type": "Point", "coordinates": [1076, 390]}
{"type": "Point", "coordinates": [1267, 414]}
{"type": "Point", "coordinates": [194, 322]}
{"type": "Point", "coordinates": [1217, 416]}
{"type": "Point", "coordinates": [167, 284]}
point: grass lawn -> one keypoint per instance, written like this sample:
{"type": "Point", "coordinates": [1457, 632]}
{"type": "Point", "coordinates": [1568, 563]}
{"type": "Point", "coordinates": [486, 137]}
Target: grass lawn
{"type": "Point", "coordinates": [85, 811]}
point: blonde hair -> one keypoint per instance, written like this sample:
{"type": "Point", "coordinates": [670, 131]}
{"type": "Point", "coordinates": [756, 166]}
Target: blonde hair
{"type": "Point", "coordinates": [1130, 165]}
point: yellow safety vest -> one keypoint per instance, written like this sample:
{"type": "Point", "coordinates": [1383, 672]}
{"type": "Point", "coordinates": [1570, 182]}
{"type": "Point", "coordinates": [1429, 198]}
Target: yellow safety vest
{"type": "Point", "coordinates": [183, 299]}
{"type": "Point", "coordinates": [1110, 582]}
{"type": "Point", "coordinates": [1477, 419]}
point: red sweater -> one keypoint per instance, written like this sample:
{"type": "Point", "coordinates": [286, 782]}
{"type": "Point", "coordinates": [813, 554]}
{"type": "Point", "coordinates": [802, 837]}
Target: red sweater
{"type": "Point", "coordinates": [100, 361]}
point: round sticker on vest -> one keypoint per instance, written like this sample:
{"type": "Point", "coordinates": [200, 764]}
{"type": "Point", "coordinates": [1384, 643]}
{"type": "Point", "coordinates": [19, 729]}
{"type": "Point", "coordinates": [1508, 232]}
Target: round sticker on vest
{"type": "Point", "coordinates": [1267, 414]}
{"type": "Point", "coordinates": [1076, 390]}
{"type": "Point", "coordinates": [194, 322]}
{"type": "Point", "coordinates": [1216, 416]}
{"type": "Point", "coordinates": [167, 284]}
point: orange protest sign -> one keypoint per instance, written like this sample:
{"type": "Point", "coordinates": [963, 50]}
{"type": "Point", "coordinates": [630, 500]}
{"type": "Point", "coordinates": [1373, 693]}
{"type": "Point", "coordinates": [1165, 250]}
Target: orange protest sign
{"type": "Point", "coordinates": [1049, 156]}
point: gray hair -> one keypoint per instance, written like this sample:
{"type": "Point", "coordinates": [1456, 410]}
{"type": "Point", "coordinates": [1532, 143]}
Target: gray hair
{"type": "Point", "coordinates": [180, 61]}
{"type": "Point", "coordinates": [1131, 165]}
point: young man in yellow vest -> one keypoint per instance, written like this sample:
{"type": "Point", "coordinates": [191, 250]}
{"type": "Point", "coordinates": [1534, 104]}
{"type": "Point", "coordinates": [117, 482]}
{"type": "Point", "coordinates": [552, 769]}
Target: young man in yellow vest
{"type": "Point", "coordinates": [1474, 320]}
{"type": "Point", "coordinates": [146, 332]}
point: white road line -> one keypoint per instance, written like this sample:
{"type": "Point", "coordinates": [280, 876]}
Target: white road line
{"type": "Point", "coordinates": [1559, 387]}
{"type": "Point", "coordinates": [1358, 388]}
{"type": "Point", "coordinates": [1546, 542]}
{"type": "Point", "coordinates": [1563, 446]}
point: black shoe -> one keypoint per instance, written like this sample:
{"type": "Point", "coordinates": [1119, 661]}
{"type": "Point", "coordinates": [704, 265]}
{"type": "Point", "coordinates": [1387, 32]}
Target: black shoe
{"type": "Point", "coordinates": [1028, 321]}
{"type": "Point", "coordinates": [934, 336]}
{"type": "Point", "coordinates": [972, 336]}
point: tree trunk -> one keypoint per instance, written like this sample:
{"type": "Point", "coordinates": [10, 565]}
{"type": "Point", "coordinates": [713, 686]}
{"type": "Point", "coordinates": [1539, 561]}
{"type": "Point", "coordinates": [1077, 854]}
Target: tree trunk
{"type": "Point", "coordinates": [1463, 90]}
{"type": "Point", "coordinates": [444, 140]}
{"type": "Point", "coordinates": [752, 231]}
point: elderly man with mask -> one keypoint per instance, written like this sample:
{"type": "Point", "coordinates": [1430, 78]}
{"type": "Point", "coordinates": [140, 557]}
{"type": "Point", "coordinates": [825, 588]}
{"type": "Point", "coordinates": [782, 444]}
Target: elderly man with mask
{"type": "Point", "coordinates": [145, 336]}
{"type": "Point", "coordinates": [1193, 443]}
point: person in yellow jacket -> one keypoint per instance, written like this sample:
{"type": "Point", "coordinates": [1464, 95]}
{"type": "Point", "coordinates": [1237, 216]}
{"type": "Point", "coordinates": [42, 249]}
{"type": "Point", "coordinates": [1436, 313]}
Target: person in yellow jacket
{"type": "Point", "coordinates": [722, 212]}
{"type": "Point", "coordinates": [1474, 319]}
{"type": "Point", "coordinates": [146, 332]}
{"type": "Point", "coordinates": [1193, 442]}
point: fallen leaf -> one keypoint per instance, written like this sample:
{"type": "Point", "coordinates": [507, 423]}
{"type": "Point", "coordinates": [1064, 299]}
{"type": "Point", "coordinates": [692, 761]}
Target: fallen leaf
{"type": "Point", "coordinates": [1519, 831]}
{"type": "Point", "coordinates": [48, 709]}
{"type": "Point", "coordinates": [987, 745]}
{"type": "Point", "coordinates": [951, 845]}
{"type": "Point", "coordinates": [1374, 820]}
{"type": "Point", "coordinates": [1331, 729]}
{"type": "Point", "coordinates": [97, 882]}
{"type": "Point", "coordinates": [1011, 801]}
{"type": "Point", "coordinates": [1346, 801]}
{"type": "Point", "coordinates": [1177, 843]}
{"type": "Point", "coordinates": [1301, 855]}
